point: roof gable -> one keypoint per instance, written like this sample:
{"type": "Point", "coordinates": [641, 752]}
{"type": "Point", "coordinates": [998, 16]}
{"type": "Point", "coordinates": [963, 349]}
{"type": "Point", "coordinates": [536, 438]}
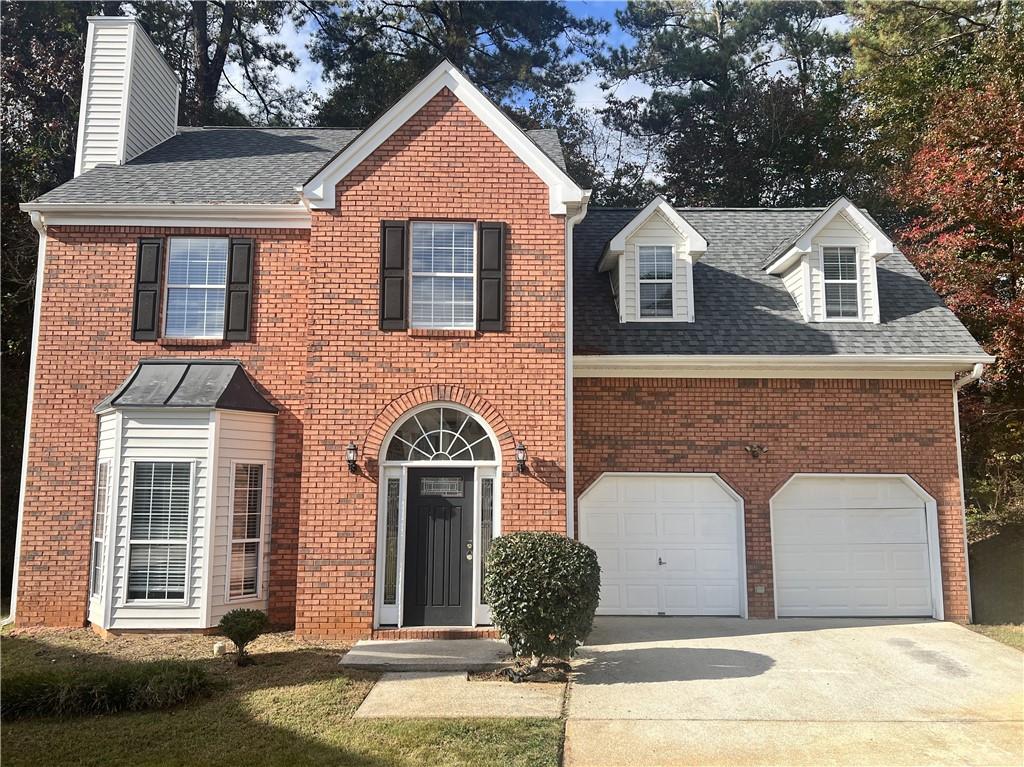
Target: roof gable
{"type": "Point", "coordinates": [793, 247]}
{"type": "Point", "coordinates": [320, 188]}
{"type": "Point", "coordinates": [658, 206]}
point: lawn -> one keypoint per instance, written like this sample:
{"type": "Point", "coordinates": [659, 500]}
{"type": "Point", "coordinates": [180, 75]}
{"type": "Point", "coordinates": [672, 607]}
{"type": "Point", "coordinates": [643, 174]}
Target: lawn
{"type": "Point", "coordinates": [1011, 634]}
{"type": "Point", "coordinates": [293, 707]}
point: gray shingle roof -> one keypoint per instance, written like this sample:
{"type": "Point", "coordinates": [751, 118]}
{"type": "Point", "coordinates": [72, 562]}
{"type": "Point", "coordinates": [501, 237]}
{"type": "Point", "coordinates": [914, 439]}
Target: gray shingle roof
{"type": "Point", "coordinates": [188, 383]}
{"type": "Point", "coordinates": [739, 309]}
{"type": "Point", "coordinates": [226, 166]}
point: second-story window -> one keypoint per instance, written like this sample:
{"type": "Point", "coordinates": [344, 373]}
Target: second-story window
{"type": "Point", "coordinates": [655, 262]}
{"type": "Point", "coordinates": [442, 275]}
{"type": "Point", "coordinates": [196, 285]}
{"type": "Point", "coordinates": [840, 274]}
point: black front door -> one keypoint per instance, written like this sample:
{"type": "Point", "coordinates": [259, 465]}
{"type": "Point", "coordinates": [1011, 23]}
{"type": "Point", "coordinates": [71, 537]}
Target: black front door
{"type": "Point", "coordinates": [439, 548]}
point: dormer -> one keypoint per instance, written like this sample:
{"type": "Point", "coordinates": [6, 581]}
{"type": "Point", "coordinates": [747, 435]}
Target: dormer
{"type": "Point", "coordinates": [829, 268]}
{"type": "Point", "coordinates": [649, 263]}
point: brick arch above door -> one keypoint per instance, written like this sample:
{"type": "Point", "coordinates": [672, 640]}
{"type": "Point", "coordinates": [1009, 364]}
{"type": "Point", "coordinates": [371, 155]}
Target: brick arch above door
{"type": "Point", "coordinates": [398, 407]}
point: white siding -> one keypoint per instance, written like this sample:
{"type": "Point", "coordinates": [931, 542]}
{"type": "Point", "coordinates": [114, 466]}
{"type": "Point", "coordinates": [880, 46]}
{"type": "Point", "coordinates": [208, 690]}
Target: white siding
{"type": "Point", "coordinates": [152, 99]}
{"type": "Point", "coordinates": [794, 282]}
{"type": "Point", "coordinates": [106, 68]}
{"type": "Point", "coordinates": [129, 95]}
{"type": "Point", "coordinates": [244, 438]}
{"type": "Point", "coordinates": [842, 231]}
{"type": "Point", "coordinates": [657, 231]}
{"type": "Point", "coordinates": [163, 435]}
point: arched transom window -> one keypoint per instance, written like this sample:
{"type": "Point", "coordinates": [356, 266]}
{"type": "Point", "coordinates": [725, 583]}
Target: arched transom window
{"type": "Point", "coordinates": [441, 434]}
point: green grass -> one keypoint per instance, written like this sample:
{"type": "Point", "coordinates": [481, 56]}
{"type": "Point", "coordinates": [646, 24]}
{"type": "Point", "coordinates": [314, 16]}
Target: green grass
{"type": "Point", "coordinates": [1011, 634]}
{"type": "Point", "coordinates": [294, 707]}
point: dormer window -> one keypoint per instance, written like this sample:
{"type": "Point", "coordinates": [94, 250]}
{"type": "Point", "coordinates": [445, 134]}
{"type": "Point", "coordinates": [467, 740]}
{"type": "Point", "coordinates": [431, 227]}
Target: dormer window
{"type": "Point", "coordinates": [655, 275]}
{"type": "Point", "coordinates": [839, 268]}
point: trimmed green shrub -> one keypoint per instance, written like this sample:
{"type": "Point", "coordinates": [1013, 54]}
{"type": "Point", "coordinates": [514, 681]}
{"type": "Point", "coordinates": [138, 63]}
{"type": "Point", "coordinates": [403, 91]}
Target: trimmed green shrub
{"type": "Point", "coordinates": [132, 687]}
{"type": "Point", "coordinates": [543, 590]}
{"type": "Point", "coordinates": [242, 627]}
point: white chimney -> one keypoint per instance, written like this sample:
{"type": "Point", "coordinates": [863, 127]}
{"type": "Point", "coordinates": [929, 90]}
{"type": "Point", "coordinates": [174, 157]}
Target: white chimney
{"type": "Point", "coordinates": [129, 94]}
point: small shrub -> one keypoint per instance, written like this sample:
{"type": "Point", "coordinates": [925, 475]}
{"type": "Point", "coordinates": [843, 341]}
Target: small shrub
{"type": "Point", "coordinates": [543, 590]}
{"type": "Point", "coordinates": [132, 687]}
{"type": "Point", "coordinates": [242, 627]}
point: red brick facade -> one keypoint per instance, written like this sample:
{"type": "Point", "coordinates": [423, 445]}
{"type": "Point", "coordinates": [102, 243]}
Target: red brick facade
{"type": "Point", "coordinates": [824, 426]}
{"type": "Point", "coordinates": [318, 353]}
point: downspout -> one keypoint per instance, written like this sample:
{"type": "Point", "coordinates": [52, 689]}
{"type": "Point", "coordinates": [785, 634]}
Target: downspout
{"type": "Point", "coordinates": [40, 225]}
{"type": "Point", "coordinates": [958, 384]}
{"type": "Point", "coordinates": [570, 503]}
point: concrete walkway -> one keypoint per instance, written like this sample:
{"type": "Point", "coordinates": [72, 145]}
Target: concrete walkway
{"type": "Point", "coordinates": [709, 691]}
{"type": "Point", "coordinates": [452, 696]}
{"type": "Point", "coordinates": [428, 655]}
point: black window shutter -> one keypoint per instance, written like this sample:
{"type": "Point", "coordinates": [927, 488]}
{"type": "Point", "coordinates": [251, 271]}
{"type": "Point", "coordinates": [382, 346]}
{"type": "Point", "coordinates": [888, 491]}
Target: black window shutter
{"type": "Point", "coordinates": [491, 277]}
{"type": "Point", "coordinates": [394, 277]}
{"type": "Point", "coordinates": [146, 306]}
{"type": "Point", "coordinates": [238, 298]}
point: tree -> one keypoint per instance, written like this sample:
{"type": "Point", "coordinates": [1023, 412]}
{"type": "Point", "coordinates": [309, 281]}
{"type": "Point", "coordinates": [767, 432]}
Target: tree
{"type": "Point", "coordinates": [524, 56]}
{"type": "Point", "coordinates": [748, 104]}
{"type": "Point", "coordinates": [967, 180]}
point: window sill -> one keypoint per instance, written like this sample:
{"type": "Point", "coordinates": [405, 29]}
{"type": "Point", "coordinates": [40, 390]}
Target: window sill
{"type": "Point", "coordinates": [439, 333]}
{"type": "Point", "coordinates": [192, 342]}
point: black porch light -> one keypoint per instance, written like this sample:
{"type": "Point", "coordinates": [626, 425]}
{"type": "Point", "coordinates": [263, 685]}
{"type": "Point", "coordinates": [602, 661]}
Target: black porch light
{"type": "Point", "coordinates": [351, 454]}
{"type": "Point", "coordinates": [521, 457]}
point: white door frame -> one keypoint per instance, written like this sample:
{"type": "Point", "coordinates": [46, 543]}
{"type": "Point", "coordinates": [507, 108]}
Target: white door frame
{"type": "Point", "coordinates": [931, 527]}
{"type": "Point", "coordinates": [741, 528]}
{"type": "Point", "coordinates": [392, 615]}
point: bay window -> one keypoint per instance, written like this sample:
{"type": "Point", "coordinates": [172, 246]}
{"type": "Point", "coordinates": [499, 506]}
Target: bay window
{"type": "Point", "coordinates": [161, 511]}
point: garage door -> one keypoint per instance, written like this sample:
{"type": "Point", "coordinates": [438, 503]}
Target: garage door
{"type": "Point", "coordinates": [851, 546]}
{"type": "Point", "coordinates": [668, 544]}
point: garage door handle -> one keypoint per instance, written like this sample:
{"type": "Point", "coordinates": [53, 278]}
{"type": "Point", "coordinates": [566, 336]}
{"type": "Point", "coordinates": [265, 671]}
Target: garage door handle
{"type": "Point", "coordinates": [661, 562]}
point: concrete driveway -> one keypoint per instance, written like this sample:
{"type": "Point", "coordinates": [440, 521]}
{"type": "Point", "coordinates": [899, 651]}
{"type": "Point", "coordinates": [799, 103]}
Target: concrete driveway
{"type": "Point", "coordinates": [725, 691]}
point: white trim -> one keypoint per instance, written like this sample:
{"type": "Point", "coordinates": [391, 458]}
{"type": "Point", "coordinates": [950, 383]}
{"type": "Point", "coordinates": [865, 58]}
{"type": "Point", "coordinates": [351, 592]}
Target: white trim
{"type": "Point", "coordinates": [563, 191]}
{"type": "Point", "coordinates": [186, 601]}
{"type": "Point", "coordinates": [262, 542]}
{"type": "Point", "coordinates": [740, 504]}
{"type": "Point", "coordinates": [167, 285]}
{"type": "Point", "coordinates": [39, 222]}
{"type": "Point", "coordinates": [570, 501]}
{"type": "Point", "coordinates": [671, 282]}
{"type": "Point", "coordinates": [888, 366]}
{"type": "Point", "coordinates": [474, 226]}
{"type": "Point", "coordinates": [931, 523]}
{"type": "Point", "coordinates": [212, 461]}
{"type": "Point", "coordinates": [879, 243]}
{"type": "Point", "coordinates": [691, 312]}
{"type": "Point", "coordinates": [856, 280]}
{"type": "Point", "coordinates": [191, 215]}
{"type": "Point", "coordinates": [805, 270]}
{"type": "Point", "coordinates": [108, 589]}
{"type": "Point", "coordinates": [392, 615]}
{"type": "Point", "coordinates": [695, 242]}
{"type": "Point", "coordinates": [95, 593]}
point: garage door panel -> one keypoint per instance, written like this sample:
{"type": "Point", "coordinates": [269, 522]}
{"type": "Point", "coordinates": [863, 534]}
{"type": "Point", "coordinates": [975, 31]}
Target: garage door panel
{"type": "Point", "coordinates": [861, 559]}
{"type": "Point", "coordinates": [690, 523]}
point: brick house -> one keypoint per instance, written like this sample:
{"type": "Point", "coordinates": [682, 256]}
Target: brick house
{"type": "Point", "coordinates": [316, 371]}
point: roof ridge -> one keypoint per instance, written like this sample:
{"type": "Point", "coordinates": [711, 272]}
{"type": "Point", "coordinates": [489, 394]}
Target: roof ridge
{"type": "Point", "coordinates": [265, 127]}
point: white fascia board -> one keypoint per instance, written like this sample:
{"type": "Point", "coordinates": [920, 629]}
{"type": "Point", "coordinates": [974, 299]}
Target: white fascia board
{"type": "Point", "coordinates": [879, 243]}
{"type": "Point", "coordinates": [695, 242]}
{"type": "Point", "coordinates": [284, 216]}
{"type": "Point", "coordinates": [319, 190]}
{"type": "Point", "coordinates": [889, 366]}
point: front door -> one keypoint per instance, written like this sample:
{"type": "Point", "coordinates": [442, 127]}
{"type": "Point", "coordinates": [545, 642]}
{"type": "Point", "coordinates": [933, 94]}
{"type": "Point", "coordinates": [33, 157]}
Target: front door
{"type": "Point", "coordinates": [439, 548]}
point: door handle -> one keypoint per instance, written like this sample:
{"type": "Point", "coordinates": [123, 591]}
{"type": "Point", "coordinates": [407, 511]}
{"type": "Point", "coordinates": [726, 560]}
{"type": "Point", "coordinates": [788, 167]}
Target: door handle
{"type": "Point", "coordinates": [661, 562]}
{"type": "Point", "coordinates": [469, 550]}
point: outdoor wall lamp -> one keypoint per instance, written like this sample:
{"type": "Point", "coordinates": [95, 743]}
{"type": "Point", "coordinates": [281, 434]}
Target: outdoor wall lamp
{"type": "Point", "coordinates": [521, 457]}
{"type": "Point", "coordinates": [351, 453]}
{"type": "Point", "coordinates": [755, 450]}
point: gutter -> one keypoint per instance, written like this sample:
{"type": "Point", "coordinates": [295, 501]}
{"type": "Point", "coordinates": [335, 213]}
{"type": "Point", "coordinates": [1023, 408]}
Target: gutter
{"type": "Point", "coordinates": [958, 384]}
{"type": "Point", "coordinates": [274, 216]}
{"type": "Point", "coordinates": [39, 222]}
{"type": "Point", "coordinates": [974, 375]}
{"type": "Point", "coordinates": [570, 502]}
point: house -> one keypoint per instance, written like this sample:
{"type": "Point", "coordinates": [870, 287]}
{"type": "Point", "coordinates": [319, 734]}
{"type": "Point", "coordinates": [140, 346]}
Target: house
{"type": "Point", "coordinates": [315, 372]}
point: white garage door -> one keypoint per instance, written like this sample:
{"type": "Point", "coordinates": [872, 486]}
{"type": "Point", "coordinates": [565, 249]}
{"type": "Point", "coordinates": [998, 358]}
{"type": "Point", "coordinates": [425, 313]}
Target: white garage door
{"type": "Point", "coordinates": [851, 546]}
{"type": "Point", "coordinates": [668, 544]}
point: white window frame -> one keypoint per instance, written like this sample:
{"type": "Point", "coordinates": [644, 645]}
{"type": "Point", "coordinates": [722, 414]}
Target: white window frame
{"type": "Point", "coordinates": [100, 536]}
{"type": "Point", "coordinates": [125, 601]}
{"type": "Point", "coordinates": [855, 281]}
{"type": "Point", "coordinates": [197, 286]}
{"type": "Point", "coordinates": [413, 274]}
{"type": "Point", "coordinates": [640, 281]}
{"type": "Point", "coordinates": [261, 541]}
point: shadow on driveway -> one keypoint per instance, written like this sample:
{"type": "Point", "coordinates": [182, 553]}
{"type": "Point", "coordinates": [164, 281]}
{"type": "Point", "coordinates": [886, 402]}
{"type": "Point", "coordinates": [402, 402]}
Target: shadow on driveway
{"type": "Point", "coordinates": [669, 664]}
